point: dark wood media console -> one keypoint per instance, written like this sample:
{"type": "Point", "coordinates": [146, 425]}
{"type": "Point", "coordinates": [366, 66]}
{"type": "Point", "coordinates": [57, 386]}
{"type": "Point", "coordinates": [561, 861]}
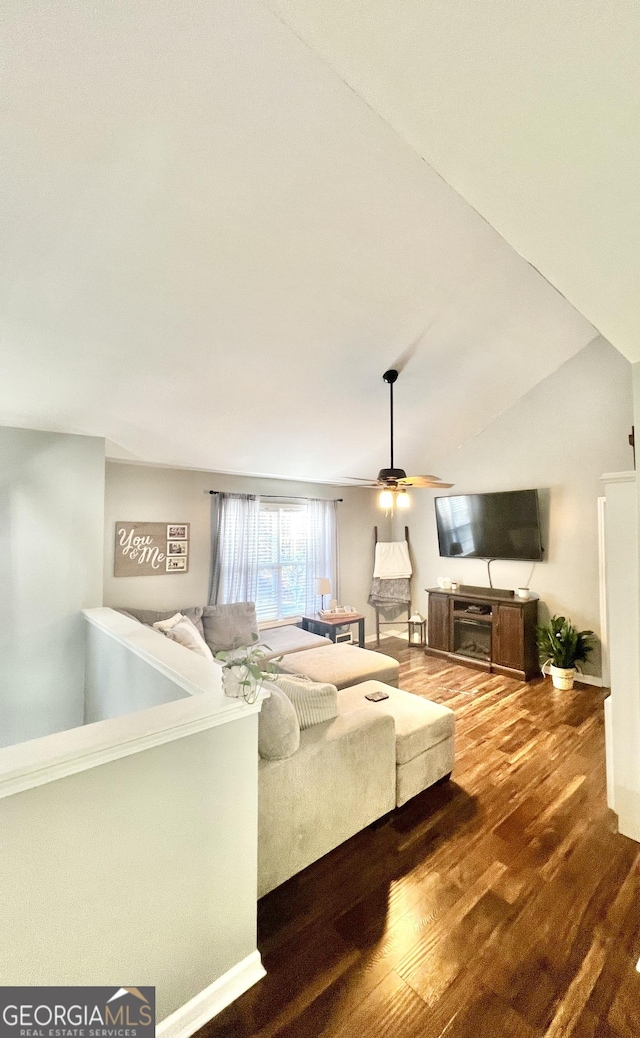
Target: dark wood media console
{"type": "Point", "coordinates": [492, 632]}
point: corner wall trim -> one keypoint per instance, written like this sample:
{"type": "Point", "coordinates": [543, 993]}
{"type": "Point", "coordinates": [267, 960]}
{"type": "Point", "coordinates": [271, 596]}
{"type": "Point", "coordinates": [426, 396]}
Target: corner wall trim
{"type": "Point", "coordinates": [212, 1000]}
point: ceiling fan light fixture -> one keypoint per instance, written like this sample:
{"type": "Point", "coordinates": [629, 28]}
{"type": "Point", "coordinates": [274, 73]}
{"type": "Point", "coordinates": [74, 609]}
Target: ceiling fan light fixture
{"type": "Point", "coordinates": [385, 500]}
{"type": "Point", "coordinates": [403, 500]}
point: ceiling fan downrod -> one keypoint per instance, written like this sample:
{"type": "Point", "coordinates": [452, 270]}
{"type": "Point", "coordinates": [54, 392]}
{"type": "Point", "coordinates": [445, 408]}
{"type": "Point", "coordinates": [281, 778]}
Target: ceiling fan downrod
{"type": "Point", "coordinates": [391, 474]}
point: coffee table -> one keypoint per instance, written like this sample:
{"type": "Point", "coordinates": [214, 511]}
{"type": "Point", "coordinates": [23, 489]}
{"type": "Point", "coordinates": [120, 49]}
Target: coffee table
{"type": "Point", "coordinates": [328, 626]}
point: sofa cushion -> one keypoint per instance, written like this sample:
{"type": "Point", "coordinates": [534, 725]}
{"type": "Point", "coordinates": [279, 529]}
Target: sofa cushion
{"type": "Point", "coordinates": [341, 665]}
{"type": "Point", "coordinates": [281, 640]}
{"type": "Point", "coordinates": [181, 629]}
{"type": "Point", "coordinates": [420, 724]}
{"type": "Point", "coordinates": [312, 701]}
{"type": "Point", "coordinates": [229, 626]}
{"type": "Point", "coordinates": [151, 616]}
{"type": "Point", "coordinates": [278, 728]}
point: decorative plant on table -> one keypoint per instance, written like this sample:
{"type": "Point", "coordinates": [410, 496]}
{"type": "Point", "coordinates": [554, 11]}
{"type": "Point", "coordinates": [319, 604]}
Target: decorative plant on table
{"type": "Point", "coordinates": [243, 669]}
{"type": "Point", "coordinates": [562, 646]}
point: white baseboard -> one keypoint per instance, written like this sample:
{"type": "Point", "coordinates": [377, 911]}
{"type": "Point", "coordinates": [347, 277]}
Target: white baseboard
{"type": "Point", "coordinates": [208, 1003]}
{"type": "Point", "coordinates": [590, 679]}
{"type": "Point", "coordinates": [370, 638]}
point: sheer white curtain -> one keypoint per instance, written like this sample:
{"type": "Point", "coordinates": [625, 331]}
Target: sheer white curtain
{"type": "Point", "coordinates": [322, 549]}
{"type": "Point", "coordinates": [234, 567]}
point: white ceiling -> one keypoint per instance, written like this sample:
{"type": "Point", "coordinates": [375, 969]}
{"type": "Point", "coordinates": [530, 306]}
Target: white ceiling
{"type": "Point", "coordinates": [212, 248]}
{"type": "Point", "coordinates": [529, 108]}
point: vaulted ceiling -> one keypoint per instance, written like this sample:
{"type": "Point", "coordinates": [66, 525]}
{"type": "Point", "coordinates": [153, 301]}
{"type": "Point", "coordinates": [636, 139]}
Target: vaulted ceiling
{"type": "Point", "coordinates": [531, 110]}
{"type": "Point", "coordinates": [213, 244]}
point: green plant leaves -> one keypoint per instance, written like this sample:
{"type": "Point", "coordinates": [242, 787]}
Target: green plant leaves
{"type": "Point", "coordinates": [249, 665]}
{"type": "Point", "coordinates": [562, 645]}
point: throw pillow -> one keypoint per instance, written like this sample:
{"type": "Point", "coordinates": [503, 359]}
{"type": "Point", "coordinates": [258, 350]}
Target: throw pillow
{"type": "Point", "coordinates": [181, 629]}
{"type": "Point", "coordinates": [278, 728]}
{"type": "Point", "coordinates": [229, 626]}
{"type": "Point", "coordinates": [313, 701]}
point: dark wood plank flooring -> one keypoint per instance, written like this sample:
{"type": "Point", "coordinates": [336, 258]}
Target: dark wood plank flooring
{"type": "Point", "coordinates": [502, 904]}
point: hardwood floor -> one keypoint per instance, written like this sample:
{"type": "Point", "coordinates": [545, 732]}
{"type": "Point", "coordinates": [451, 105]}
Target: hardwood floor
{"type": "Point", "coordinates": [502, 904]}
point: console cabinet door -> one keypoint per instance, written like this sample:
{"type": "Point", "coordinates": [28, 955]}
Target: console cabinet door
{"type": "Point", "coordinates": [439, 622]}
{"type": "Point", "coordinates": [508, 647]}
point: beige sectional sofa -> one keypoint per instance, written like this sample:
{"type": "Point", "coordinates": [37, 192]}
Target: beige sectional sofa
{"type": "Point", "coordinates": [347, 771]}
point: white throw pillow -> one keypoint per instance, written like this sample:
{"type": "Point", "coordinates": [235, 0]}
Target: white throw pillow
{"type": "Point", "coordinates": [180, 629]}
{"type": "Point", "coordinates": [313, 701]}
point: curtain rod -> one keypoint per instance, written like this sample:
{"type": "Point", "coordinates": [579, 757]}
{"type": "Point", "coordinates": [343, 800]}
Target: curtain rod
{"type": "Point", "coordinates": [286, 497]}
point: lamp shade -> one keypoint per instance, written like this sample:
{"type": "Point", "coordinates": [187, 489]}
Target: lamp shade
{"type": "Point", "coordinates": [323, 586]}
{"type": "Point", "coordinates": [402, 499]}
{"type": "Point", "coordinates": [385, 500]}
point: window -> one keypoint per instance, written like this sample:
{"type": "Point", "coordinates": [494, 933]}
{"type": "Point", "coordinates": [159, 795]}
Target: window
{"type": "Point", "coordinates": [282, 561]}
{"type": "Point", "coordinates": [271, 552]}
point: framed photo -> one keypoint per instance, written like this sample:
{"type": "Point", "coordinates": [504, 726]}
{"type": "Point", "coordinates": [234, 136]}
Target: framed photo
{"type": "Point", "coordinates": [177, 548]}
{"type": "Point", "coordinates": [177, 565]}
{"type": "Point", "coordinates": [178, 532]}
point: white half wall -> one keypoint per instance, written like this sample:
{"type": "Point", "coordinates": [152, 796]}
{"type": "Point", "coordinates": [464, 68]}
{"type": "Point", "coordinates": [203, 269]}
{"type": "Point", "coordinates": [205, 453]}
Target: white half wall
{"type": "Point", "coordinates": [51, 529]}
{"type": "Point", "coordinates": [143, 867]}
{"type": "Point", "coordinates": [559, 438]}
{"type": "Point", "coordinates": [146, 493]}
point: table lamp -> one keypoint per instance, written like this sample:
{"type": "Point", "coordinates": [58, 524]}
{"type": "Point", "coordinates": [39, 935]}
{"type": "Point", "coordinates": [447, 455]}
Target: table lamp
{"type": "Point", "coordinates": [323, 587]}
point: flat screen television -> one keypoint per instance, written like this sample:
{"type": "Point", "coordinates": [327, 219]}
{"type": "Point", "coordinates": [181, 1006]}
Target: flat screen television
{"type": "Point", "coordinates": [490, 526]}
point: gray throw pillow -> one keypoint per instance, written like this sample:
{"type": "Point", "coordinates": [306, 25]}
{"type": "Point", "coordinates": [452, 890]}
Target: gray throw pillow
{"type": "Point", "coordinates": [151, 616]}
{"type": "Point", "coordinates": [278, 728]}
{"type": "Point", "coordinates": [229, 626]}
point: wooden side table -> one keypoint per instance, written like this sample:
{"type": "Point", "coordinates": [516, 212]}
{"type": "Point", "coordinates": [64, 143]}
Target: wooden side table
{"type": "Point", "coordinates": [328, 626]}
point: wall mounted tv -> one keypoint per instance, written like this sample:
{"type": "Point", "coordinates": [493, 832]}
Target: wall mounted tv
{"type": "Point", "coordinates": [490, 526]}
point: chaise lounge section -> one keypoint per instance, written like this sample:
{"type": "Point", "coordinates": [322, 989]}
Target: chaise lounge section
{"type": "Point", "coordinates": [424, 735]}
{"type": "Point", "coordinates": [342, 665]}
{"type": "Point", "coordinates": [340, 780]}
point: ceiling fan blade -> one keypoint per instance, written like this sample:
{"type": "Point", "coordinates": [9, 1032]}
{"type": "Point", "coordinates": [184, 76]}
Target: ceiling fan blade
{"type": "Point", "coordinates": [423, 482]}
{"type": "Point", "coordinates": [416, 480]}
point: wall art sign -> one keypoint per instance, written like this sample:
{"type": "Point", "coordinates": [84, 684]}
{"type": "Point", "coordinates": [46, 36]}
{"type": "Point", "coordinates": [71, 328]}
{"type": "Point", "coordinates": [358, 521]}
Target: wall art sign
{"type": "Point", "coordinates": [151, 549]}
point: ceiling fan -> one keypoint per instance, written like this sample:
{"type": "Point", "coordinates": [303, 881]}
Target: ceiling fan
{"type": "Point", "coordinates": [395, 481]}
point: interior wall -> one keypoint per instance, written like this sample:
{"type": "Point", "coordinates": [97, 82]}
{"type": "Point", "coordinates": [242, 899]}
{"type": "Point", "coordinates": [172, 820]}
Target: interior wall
{"type": "Point", "coordinates": [51, 526]}
{"type": "Point", "coordinates": [560, 438]}
{"type": "Point", "coordinates": [145, 493]}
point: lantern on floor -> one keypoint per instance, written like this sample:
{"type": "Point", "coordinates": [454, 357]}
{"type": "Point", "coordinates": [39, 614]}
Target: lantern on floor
{"type": "Point", "coordinates": [417, 631]}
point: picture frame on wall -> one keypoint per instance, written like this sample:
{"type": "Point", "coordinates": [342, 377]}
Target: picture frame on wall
{"type": "Point", "coordinates": [144, 549]}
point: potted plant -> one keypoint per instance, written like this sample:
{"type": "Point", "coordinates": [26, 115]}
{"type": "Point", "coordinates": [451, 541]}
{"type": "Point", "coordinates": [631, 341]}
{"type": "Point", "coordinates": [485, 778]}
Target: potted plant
{"type": "Point", "coordinates": [564, 648]}
{"type": "Point", "coordinates": [244, 668]}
